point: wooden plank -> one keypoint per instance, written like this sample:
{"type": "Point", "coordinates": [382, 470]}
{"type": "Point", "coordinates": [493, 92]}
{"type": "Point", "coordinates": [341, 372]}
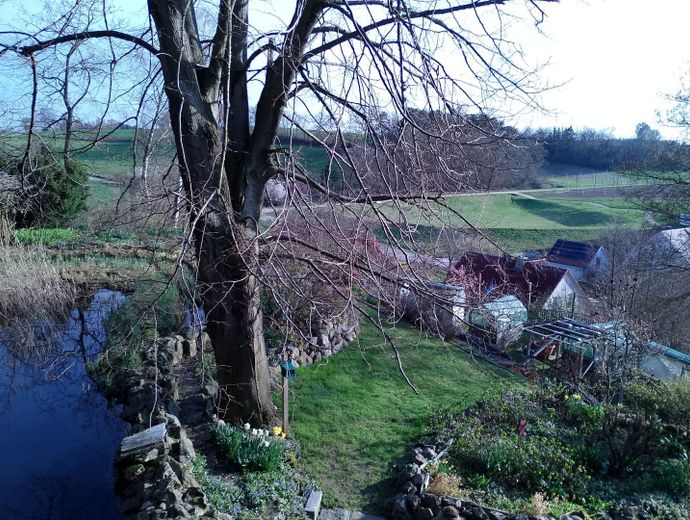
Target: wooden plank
{"type": "Point", "coordinates": [313, 504]}
{"type": "Point", "coordinates": [144, 439]}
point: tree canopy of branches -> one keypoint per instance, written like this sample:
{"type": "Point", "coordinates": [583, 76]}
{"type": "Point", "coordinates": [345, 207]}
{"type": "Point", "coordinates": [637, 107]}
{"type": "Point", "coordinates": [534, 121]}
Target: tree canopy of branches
{"type": "Point", "coordinates": [330, 68]}
{"type": "Point", "coordinates": [456, 152]}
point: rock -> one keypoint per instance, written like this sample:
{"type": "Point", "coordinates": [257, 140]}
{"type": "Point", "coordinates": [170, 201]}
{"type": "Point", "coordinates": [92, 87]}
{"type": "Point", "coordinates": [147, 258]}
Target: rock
{"type": "Point", "coordinates": [408, 488]}
{"type": "Point", "coordinates": [189, 347]}
{"type": "Point", "coordinates": [323, 340]}
{"type": "Point", "coordinates": [448, 513]}
{"type": "Point", "coordinates": [431, 502]}
{"type": "Point", "coordinates": [147, 456]}
{"type": "Point", "coordinates": [476, 513]}
{"type": "Point", "coordinates": [429, 452]}
{"type": "Point", "coordinates": [419, 459]}
{"type": "Point", "coordinates": [408, 471]}
{"type": "Point", "coordinates": [413, 502]}
{"type": "Point", "coordinates": [133, 471]}
{"type": "Point", "coordinates": [496, 515]}
{"type": "Point", "coordinates": [187, 448]}
{"type": "Point", "coordinates": [195, 496]}
{"type": "Point", "coordinates": [419, 479]}
{"type": "Point", "coordinates": [424, 513]}
{"type": "Point", "coordinates": [400, 511]}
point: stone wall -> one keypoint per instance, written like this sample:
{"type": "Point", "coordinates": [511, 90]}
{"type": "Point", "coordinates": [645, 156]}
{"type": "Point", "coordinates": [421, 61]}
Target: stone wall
{"type": "Point", "coordinates": [158, 482]}
{"type": "Point", "coordinates": [323, 339]}
{"type": "Point", "coordinates": [414, 503]}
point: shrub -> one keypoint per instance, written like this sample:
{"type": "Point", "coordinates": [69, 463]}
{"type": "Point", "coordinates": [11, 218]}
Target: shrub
{"type": "Point", "coordinates": [670, 400]}
{"type": "Point", "coordinates": [45, 236]}
{"type": "Point", "coordinates": [60, 192]}
{"type": "Point", "coordinates": [587, 415]}
{"type": "Point", "coordinates": [222, 495]}
{"type": "Point", "coordinates": [670, 476]}
{"type": "Point", "coordinates": [535, 463]}
{"type": "Point", "coordinates": [251, 451]}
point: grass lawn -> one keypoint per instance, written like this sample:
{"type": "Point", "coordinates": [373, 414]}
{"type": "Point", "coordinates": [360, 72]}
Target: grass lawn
{"type": "Point", "coordinates": [355, 416]}
{"type": "Point", "coordinates": [520, 222]}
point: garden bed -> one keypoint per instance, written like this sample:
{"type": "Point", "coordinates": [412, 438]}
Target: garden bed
{"type": "Point", "coordinates": [548, 452]}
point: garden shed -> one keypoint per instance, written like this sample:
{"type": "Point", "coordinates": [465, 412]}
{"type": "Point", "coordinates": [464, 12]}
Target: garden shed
{"type": "Point", "coordinates": [499, 322]}
{"type": "Point", "coordinates": [434, 306]}
{"type": "Point", "coordinates": [662, 362]}
{"type": "Point", "coordinates": [568, 340]}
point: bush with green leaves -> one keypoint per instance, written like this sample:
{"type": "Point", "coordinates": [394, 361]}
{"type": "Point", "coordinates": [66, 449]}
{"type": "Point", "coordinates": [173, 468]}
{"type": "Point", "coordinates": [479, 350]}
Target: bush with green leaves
{"type": "Point", "coordinates": [665, 475]}
{"type": "Point", "coordinates": [254, 495]}
{"type": "Point", "coordinates": [537, 463]}
{"type": "Point", "coordinates": [251, 451]}
{"type": "Point", "coordinates": [670, 400]}
{"type": "Point", "coordinates": [60, 192]}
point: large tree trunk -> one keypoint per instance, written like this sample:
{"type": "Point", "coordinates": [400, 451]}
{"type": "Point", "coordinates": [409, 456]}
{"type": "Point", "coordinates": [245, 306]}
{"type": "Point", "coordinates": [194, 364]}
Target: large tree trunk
{"type": "Point", "coordinates": [224, 221]}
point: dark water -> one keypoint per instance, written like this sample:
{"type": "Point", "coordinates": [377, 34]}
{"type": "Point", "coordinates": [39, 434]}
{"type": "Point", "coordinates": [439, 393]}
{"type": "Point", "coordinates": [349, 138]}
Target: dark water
{"type": "Point", "coordinates": [57, 434]}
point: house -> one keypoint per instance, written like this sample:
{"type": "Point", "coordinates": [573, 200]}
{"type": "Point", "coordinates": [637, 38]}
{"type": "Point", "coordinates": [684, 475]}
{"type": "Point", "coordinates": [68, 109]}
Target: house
{"type": "Point", "coordinates": [535, 283]}
{"type": "Point", "coordinates": [497, 323]}
{"type": "Point", "coordinates": [579, 258]}
{"type": "Point", "coordinates": [668, 249]}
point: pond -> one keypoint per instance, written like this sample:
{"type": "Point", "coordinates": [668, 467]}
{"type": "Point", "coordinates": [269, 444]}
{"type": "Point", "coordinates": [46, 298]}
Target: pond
{"type": "Point", "coordinates": [58, 435]}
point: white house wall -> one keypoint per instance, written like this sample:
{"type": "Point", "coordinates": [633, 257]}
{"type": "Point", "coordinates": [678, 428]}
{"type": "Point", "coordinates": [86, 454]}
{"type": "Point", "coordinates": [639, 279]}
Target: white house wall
{"type": "Point", "coordinates": [562, 295]}
{"type": "Point", "coordinates": [577, 272]}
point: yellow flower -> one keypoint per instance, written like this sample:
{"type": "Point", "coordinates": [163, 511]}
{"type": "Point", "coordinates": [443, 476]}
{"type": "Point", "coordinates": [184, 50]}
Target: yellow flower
{"type": "Point", "coordinates": [277, 431]}
{"type": "Point", "coordinates": [577, 397]}
{"type": "Point", "coordinates": [282, 434]}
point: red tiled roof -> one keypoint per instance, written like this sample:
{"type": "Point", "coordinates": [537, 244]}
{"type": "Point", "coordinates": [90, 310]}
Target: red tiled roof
{"type": "Point", "coordinates": [508, 275]}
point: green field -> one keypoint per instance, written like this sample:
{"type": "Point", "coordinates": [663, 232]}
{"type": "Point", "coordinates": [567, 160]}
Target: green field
{"type": "Point", "coordinates": [569, 176]}
{"type": "Point", "coordinates": [111, 157]}
{"type": "Point", "coordinates": [355, 416]}
{"type": "Point", "coordinates": [518, 222]}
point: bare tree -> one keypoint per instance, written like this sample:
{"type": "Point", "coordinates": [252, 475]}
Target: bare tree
{"type": "Point", "coordinates": [347, 59]}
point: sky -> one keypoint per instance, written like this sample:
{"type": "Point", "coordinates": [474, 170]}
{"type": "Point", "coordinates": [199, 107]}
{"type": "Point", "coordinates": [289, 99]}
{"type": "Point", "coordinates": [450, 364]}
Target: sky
{"type": "Point", "coordinates": [609, 62]}
{"type": "Point", "coordinates": [618, 59]}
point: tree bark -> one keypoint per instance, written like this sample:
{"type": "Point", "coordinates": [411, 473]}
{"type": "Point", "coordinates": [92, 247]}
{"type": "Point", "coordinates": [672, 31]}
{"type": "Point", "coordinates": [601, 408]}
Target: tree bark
{"type": "Point", "coordinates": [224, 228]}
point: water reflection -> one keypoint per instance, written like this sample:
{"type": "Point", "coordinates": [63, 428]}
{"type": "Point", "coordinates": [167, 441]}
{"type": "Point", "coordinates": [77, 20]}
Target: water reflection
{"type": "Point", "coordinates": [57, 433]}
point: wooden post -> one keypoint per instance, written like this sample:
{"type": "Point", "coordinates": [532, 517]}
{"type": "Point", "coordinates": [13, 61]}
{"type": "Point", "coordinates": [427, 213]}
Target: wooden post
{"type": "Point", "coordinates": [285, 405]}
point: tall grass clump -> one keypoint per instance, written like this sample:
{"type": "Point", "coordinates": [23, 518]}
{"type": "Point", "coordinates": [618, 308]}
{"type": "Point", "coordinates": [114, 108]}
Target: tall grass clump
{"type": "Point", "coordinates": [33, 293]}
{"type": "Point", "coordinates": [153, 311]}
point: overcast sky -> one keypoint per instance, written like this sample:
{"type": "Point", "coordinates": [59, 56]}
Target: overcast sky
{"type": "Point", "coordinates": [614, 59]}
{"type": "Point", "coordinates": [619, 58]}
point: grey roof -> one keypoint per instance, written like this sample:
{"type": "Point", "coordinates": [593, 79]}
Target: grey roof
{"type": "Point", "coordinates": [568, 252]}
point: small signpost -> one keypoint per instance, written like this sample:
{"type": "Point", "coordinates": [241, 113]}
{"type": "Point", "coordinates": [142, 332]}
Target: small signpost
{"type": "Point", "coordinates": [287, 369]}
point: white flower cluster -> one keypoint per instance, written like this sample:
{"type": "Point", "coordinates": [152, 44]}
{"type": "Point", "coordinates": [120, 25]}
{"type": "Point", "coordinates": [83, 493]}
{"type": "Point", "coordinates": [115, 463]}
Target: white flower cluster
{"type": "Point", "coordinates": [258, 432]}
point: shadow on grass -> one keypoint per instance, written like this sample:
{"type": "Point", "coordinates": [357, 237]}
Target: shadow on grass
{"type": "Point", "coordinates": [563, 214]}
